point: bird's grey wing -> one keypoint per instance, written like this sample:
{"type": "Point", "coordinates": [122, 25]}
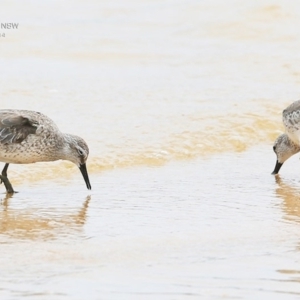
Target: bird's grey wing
{"type": "Point", "coordinates": [291, 117]}
{"type": "Point", "coordinates": [294, 107]}
{"type": "Point", "coordinates": [291, 121]}
{"type": "Point", "coordinates": [15, 128]}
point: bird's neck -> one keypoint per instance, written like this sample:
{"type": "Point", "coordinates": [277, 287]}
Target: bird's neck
{"type": "Point", "coordinates": [294, 143]}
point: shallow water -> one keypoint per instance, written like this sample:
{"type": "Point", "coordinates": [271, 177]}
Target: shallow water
{"type": "Point", "coordinates": [180, 104]}
{"type": "Point", "coordinates": [200, 228]}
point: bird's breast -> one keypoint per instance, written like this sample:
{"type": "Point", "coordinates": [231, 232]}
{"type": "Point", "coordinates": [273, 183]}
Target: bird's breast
{"type": "Point", "coordinates": [291, 122]}
{"type": "Point", "coordinates": [33, 149]}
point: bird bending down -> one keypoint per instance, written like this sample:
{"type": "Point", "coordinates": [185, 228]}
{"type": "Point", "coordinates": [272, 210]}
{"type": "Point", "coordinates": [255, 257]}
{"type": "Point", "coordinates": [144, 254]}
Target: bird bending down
{"type": "Point", "coordinates": [288, 143]}
{"type": "Point", "coordinates": [29, 137]}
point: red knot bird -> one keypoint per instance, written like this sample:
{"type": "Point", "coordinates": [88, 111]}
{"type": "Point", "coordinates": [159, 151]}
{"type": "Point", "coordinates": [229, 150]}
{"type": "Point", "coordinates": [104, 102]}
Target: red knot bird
{"type": "Point", "coordinates": [29, 137]}
{"type": "Point", "coordinates": [288, 143]}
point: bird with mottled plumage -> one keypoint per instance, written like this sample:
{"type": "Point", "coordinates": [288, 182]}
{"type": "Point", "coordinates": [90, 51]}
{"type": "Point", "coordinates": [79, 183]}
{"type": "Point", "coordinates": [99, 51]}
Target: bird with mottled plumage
{"type": "Point", "coordinates": [29, 137]}
{"type": "Point", "coordinates": [288, 143]}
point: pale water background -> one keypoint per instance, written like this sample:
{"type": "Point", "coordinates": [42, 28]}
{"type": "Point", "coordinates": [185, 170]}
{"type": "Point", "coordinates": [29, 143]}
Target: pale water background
{"type": "Point", "coordinates": [180, 102]}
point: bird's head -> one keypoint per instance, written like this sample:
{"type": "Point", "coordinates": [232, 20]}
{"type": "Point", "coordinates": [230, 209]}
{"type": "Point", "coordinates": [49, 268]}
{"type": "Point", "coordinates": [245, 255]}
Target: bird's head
{"type": "Point", "coordinates": [284, 148]}
{"type": "Point", "coordinates": [77, 151]}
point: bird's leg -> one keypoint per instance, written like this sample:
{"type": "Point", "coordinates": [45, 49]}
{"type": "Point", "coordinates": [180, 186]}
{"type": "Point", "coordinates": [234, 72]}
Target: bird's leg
{"type": "Point", "coordinates": [4, 171]}
{"type": "Point", "coordinates": [8, 186]}
{"type": "Point", "coordinates": [4, 179]}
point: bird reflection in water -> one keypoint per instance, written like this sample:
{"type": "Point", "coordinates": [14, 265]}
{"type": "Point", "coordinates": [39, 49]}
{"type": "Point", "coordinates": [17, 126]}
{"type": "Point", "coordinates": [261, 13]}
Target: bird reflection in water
{"type": "Point", "coordinates": [290, 194]}
{"type": "Point", "coordinates": [36, 223]}
{"type": "Point", "coordinates": [291, 197]}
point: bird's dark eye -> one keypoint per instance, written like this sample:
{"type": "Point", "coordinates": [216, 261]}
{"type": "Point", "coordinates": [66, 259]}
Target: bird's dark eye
{"type": "Point", "coordinates": [80, 152]}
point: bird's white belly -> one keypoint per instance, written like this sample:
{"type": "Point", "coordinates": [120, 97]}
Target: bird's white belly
{"type": "Point", "coordinates": [19, 158]}
{"type": "Point", "coordinates": [18, 154]}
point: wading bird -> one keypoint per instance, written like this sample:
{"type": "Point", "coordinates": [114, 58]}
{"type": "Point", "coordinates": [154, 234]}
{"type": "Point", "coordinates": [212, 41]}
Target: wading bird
{"type": "Point", "coordinates": [29, 137]}
{"type": "Point", "coordinates": [288, 143]}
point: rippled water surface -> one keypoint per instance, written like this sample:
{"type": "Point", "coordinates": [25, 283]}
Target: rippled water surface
{"type": "Point", "coordinates": [179, 102]}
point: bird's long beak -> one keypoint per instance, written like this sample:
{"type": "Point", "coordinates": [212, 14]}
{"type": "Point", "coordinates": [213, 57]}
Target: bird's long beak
{"type": "Point", "coordinates": [277, 167]}
{"type": "Point", "coordinates": [85, 175]}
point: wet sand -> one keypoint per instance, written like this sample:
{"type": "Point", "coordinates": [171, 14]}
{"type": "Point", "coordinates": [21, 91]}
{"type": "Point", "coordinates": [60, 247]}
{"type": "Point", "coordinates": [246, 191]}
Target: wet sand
{"type": "Point", "coordinates": [216, 228]}
{"type": "Point", "coordinates": [180, 104]}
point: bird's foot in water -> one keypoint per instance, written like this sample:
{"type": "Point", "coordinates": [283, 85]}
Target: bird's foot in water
{"type": "Point", "coordinates": [8, 186]}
